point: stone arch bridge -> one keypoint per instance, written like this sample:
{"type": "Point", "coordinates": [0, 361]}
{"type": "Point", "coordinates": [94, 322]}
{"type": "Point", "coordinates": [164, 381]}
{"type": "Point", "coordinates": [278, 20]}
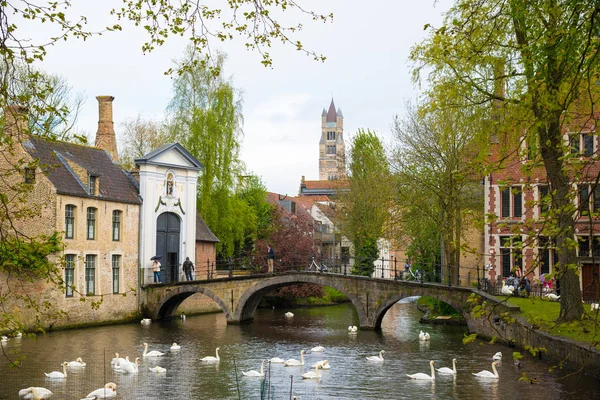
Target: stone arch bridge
{"type": "Point", "coordinates": [239, 296]}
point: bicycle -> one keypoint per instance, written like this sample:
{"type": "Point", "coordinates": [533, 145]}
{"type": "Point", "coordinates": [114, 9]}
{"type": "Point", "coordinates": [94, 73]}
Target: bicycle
{"type": "Point", "coordinates": [315, 267]}
{"type": "Point", "coordinates": [411, 274]}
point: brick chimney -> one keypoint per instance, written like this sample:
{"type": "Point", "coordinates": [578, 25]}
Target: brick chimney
{"type": "Point", "coordinates": [105, 137]}
{"type": "Point", "coordinates": [15, 122]}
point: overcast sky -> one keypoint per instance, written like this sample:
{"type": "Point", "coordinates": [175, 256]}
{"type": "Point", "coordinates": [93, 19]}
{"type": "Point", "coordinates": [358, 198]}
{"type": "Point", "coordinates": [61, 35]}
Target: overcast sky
{"type": "Point", "coordinates": [366, 71]}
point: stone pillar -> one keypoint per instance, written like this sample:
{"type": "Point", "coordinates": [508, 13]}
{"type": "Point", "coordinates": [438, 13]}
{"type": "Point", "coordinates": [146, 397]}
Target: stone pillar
{"type": "Point", "coordinates": [15, 122]}
{"type": "Point", "coordinates": [105, 137]}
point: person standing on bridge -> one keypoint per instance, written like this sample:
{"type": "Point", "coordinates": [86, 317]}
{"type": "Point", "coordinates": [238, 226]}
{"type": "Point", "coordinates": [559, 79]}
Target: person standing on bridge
{"type": "Point", "coordinates": [270, 257]}
{"type": "Point", "coordinates": [188, 268]}
{"type": "Point", "coordinates": [156, 270]}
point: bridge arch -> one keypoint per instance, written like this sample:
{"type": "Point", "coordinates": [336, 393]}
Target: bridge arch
{"type": "Point", "coordinates": [168, 304]}
{"type": "Point", "coordinates": [249, 300]}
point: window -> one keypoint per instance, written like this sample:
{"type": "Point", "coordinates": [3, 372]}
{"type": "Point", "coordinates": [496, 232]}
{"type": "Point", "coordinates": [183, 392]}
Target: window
{"type": "Point", "coordinates": [91, 223]}
{"type": "Point", "coordinates": [545, 200]}
{"type": "Point", "coordinates": [116, 226]}
{"type": "Point", "coordinates": [589, 199]}
{"type": "Point", "coordinates": [69, 221]}
{"type": "Point", "coordinates": [510, 254]}
{"type": "Point", "coordinates": [332, 177]}
{"type": "Point", "coordinates": [511, 202]}
{"type": "Point", "coordinates": [92, 180]}
{"type": "Point", "coordinates": [548, 254]}
{"type": "Point", "coordinates": [582, 144]}
{"type": "Point", "coordinates": [587, 244]}
{"type": "Point", "coordinates": [116, 264]}
{"type": "Point", "coordinates": [330, 149]}
{"type": "Point", "coordinates": [29, 175]}
{"type": "Point", "coordinates": [90, 274]}
{"type": "Point", "coordinates": [69, 274]}
{"type": "Point", "coordinates": [331, 135]}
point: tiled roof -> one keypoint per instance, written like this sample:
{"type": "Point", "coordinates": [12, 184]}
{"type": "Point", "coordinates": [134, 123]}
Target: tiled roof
{"type": "Point", "coordinates": [327, 210]}
{"type": "Point", "coordinates": [203, 232]}
{"type": "Point", "coordinates": [58, 160]}
{"type": "Point", "coordinates": [335, 184]}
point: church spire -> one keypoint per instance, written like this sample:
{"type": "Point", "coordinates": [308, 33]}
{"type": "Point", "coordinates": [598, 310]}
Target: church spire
{"type": "Point", "coordinates": [331, 114]}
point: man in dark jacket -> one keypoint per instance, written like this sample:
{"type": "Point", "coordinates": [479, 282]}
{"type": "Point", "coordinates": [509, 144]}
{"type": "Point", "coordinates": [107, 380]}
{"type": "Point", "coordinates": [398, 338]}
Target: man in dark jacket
{"type": "Point", "coordinates": [270, 257]}
{"type": "Point", "coordinates": [188, 267]}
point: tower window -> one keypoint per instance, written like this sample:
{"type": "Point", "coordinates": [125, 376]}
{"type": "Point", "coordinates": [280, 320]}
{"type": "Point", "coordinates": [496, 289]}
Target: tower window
{"type": "Point", "coordinates": [330, 149]}
{"type": "Point", "coordinates": [331, 135]}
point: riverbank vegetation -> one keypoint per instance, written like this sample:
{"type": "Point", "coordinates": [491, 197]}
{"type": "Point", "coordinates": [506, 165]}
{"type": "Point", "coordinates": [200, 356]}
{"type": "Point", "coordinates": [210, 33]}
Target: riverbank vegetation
{"type": "Point", "coordinates": [436, 308]}
{"type": "Point", "coordinates": [543, 315]}
{"type": "Point", "coordinates": [304, 295]}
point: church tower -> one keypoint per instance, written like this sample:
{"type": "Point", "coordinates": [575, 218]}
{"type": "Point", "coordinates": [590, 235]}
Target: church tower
{"type": "Point", "coordinates": [332, 152]}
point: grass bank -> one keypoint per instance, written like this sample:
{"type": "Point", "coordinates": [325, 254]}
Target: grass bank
{"type": "Point", "coordinates": [542, 314]}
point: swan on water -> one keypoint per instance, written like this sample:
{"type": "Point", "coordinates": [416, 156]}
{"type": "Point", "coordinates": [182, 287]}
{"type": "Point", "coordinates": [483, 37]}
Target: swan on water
{"type": "Point", "coordinates": [289, 314]}
{"type": "Point", "coordinates": [276, 360]}
{"type": "Point", "coordinates": [377, 358]}
{"type": "Point", "coordinates": [130, 367]}
{"type": "Point", "coordinates": [57, 374]}
{"type": "Point", "coordinates": [292, 362]}
{"type": "Point", "coordinates": [109, 391]}
{"type": "Point", "coordinates": [211, 358]}
{"type": "Point", "coordinates": [19, 335]}
{"type": "Point", "coordinates": [497, 356]}
{"type": "Point", "coordinates": [182, 316]}
{"type": "Point", "coordinates": [488, 374]}
{"type": "Point", "coordinates": [78, 363]}
{"type": "Point", "coordinates": [423, 376]}
{"type": "Point", "coordinates": [38, 393]}
{"type": "Point", "coordinates": [256, 373]}
{"type": "Point", "coordinates": [446, 370]}
{"type": "Point", "coordinates": [4, 339]}
{"type": "Point", "coordinates": [311, 374]}
{"type": "Point", "coordinates": [175, 346]}
{"type": "Point", "coordinates": [324, 364]}
{"type": "Point", "coordinates": [318, 349]}
{"type": "Point", "coordinates": [153, 353]}
{"type": "Point", "coordinates": [158, 370]}
{"type": "Point", "coordinates": [146, 321]}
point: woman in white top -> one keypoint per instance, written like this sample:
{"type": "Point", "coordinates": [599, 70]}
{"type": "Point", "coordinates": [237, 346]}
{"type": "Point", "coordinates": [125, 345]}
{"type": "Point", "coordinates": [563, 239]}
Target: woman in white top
{"type": "Point", "coordinates": [156, 270]}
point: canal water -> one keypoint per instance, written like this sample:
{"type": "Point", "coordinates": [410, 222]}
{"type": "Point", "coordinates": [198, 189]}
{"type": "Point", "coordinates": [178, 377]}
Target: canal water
{"type": "Point", "coordinates": [273, 335]}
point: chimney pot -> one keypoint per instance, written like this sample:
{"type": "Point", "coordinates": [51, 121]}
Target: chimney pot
{"type": "Point", "coordinates": [105, 137]}
{"type": "Point", "coordinates": [15, 122]}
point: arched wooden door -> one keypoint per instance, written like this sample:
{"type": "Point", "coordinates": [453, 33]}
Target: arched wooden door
{"type": "Point", "coordinates": [168, 228]}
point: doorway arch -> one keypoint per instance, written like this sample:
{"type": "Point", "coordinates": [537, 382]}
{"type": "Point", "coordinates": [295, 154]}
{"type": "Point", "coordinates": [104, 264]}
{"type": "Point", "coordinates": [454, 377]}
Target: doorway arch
{"type": "Point", "coordinates": [168, 232]}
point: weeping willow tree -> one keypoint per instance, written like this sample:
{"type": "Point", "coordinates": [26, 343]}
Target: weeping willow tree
{"type": "Point", "coordinates": [206, 118]}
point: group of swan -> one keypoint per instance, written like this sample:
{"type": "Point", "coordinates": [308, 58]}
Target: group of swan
{"type": "Point", "coordinates": [323, 364]}
{"type": "Point", "coordinates": [444, 370]}
{"type": "Point", "coordinates": [352, 330]}
{"type": "Point", "coordinates": [378, 358]}
{"type": "Point", "coordinates": [424, 336]}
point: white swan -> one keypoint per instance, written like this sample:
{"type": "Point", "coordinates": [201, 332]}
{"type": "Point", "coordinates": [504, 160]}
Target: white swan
{"type": "Point", "coordinates": [318, 349]}
{"type": "Point", "coordinates": [292, 362]}
{"type": "Point", "coordinates": [497, 356]}
{"type": "Point", "coordinates": [129, 367]}
{"type": "Point", "coordinates": [507, 290]}
{"type": "Point", "coordinates": [211, 358]}
{"type": "Point", "coordinates": [182, 316]}
{"type": "Point", "coordinates": [56, 374]}
{"type": "Point", "coordinates": [109, 391]}
{"type": "Point", "coordinates": [377, 358]}
{"type": "Point", "coordinates": [146, 321]}
{"type": "Point", "coordinates": [78, 363]}
{"type": "Point", "coordinates": [153, 353]}
{"type": "Point", "coordinates": [4, 339]}
{"type": "Point", "coordinates": [424, 336]}
{"type": "Point", "coordinates": [256, 373]}
{"type": "Point", "coordinates": [552, 297]}
{"type": "Point", "coordinates": [118, 362]}
{"type": "Point", "coordinates": [158, 370]}
{"type": "Point", "coordinates": [289, 314]}
{"type": "Point", "coordinates": [423, 376]}
{"type": "Point", "coordinates": [311, 374]}
{"type": "Point", "coordinates": [488, 374]}
{"type": "Point", "coordinates": [445, 370]}
{"type": "Point", "coordinates": [324, 364]}
{"type": "Point", "coordinates": [175, 346]}
{"type": "Point", "coordinates": [276, 360]}
{"type": "Point", "coordinates": [37, 393]}
{"type": "Point", "coordinates": [354, 329]}
{"type": "Point", "coordinates": [19, 335]}
{"type": "Point", "coordinates": [594, 306]}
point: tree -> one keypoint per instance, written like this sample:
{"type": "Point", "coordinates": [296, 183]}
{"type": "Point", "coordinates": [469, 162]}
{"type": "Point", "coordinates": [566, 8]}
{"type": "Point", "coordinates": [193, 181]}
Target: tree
{"type": "Point", "coordinates": [538, 63]}
{"type": "Point", "coordinates": [435, 163]}
{"type": "Point", "coordinates": [366, 206]}
{"type": "Point", "coordinates": [139, 137]}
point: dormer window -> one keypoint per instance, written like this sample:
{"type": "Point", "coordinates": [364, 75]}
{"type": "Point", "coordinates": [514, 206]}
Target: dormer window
{"type": "Point", "coordinates": [92, 181]}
